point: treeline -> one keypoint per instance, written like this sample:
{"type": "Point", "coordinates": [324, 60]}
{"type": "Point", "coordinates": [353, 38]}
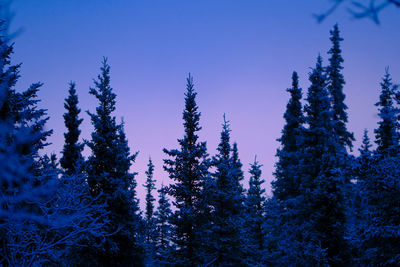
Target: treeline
{"type": "Point", "coordinates": [328, 208]}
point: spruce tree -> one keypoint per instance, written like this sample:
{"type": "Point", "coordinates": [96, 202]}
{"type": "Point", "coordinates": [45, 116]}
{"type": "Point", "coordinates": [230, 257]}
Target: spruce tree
{"type": "Point", "coordinates": [386, 135]}
{"type": "Point", "coordinates": [163, 229]}
{"type": "Point", "coordinates": [72, 153]}
{"type": "Point", "coordinates": [110, 180]}
{"type": "Point", "coordinates": [22, 186]}
{"type": "Point", "coordinates": [150, 186]}
{"type": "Point", "coordinates": [356, 222]}
{"type": "Point", "coordinates": [21, 110]}
{"type": "Point", "coordinates": [310, 222]}
{"type": "Point", "coordinates": [286, 184]}
{"type": "Point", "coordinates": [228, 205]}
{"type": "Point", "coordinates": [335, 86]}
{"type": "Point", "coordinates": [149, 214]}
{"type": "Point", "coordinates": [188, 167]}
{"type": "Point", "coordinates": [364, 160]}
{"type": "Point", "coordinates": [365, 148]}
{"type": "Point", "coordinates": [380, 187]}
{"type": "Point", "coordinates": [238, 177]}
{"type": "Point", "coordinates": [285, 229]}
{"type": "Point", "coordinates": [379, 236]}
{"type": "Point", "coordinates": [322, 205]}
{"type": "Point", "coordinates": [237, 171]}
{"type": "Point", "coordinates": [255, 211]}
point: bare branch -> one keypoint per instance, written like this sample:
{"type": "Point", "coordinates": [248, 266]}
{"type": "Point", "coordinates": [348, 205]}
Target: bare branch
{"type": "Point", "coordinates": [359, 9]}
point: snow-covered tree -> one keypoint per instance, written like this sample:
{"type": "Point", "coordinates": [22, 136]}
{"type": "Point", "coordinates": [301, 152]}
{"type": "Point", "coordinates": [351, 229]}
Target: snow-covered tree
{"type": "Point", "coordinates": [311, 221]}
{"type": "Point", "coordinates": [322, 201]}
{"type": "Point", "coordinates": [227, 217]}
{"type": "Point", "coordinates": [379, 232]}
{"type": "Point", "coordinates": [284, 229]}
{"type": "Point", "coordinates": [110, 179]}
{"type": "Point", "coordinates": [58, 234]}
{"type": "Point", "coordinates": [149, 214]}
{"type": "Point", "coordinates": [22, 135]}
{"type": "Point", "coordinates": [357, 205]}
{"type": "Point", "coordinates": [238, 174]}
{"type": "Point", "coordinates": [41, 217]}
{"type": "Point", "coordinates": [286, 183]}
{"type": "Point", "coordinates": [255, 213]}
{"type": "Point", "coordinates": [188, 167]}
{"type": "Point", "coordinates": [364, 160]}
{"type": "Point", "coordinates": [386, 135]}
{"type": "Point", "coordinates": [150, 186]}
{"type": "Point", "coordinates": [335, 87]}
{"type": "Point", "coordinates": [72, 151]}
{"type": "Point", "coordinates": [163, 229]}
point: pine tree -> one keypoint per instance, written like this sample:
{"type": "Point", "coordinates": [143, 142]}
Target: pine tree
{"type": "Point", "coordinates": [335, 87]}
{"type": "Point", "coordinates": [72, 152]}
{"type": "Point", "coordinates": [150, 230]}
{"type": "Point", "coordinates": [21, 110]}
{"type": "Point", "coordinates": [163, 229]}
{"type": "Point", "coordinates": [365, 158]}
{"type": "Point", "coordinates": [110, 180]}
{"type": "Point", "coordinates": [150, 186]}
{"type": "Point", "coordinates": [287, 181]}
{"type": "Point", "coordinates": [379, 236]}
{"type": "Point", "coordinates": [23, 121]}
{"type": "Point", "coordinates": [228, 204]}
{"type": "Point", "coordinates": [365, 148]}
{"type": "Point", "coordinates": [380, 187]}
{"type": "Point", "coordinates": [255, 211]}
{"type": "Point", "coordinates": [309, 222]}
{"type": "Point", "coordinates": [322, 183]}
{"type": "Point", "coordinates": [358, 208]}
{"type": "Point", "coordinates": [387, 137]}
{"type": "Point", "coordinates": [189, 169]}
{"type": "Point", "coordinates": [237, 171]}
{"type": "Point", "coordinates": [24, 184]}
{"type": "Point", "coordinates": [238, 177]}
{"type": "Point", "coordinates": [284, 226]}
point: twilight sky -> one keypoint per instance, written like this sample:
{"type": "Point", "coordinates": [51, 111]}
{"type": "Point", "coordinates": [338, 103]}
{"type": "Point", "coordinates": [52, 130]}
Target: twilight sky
{"type": "Point", "coordinates": [241, 54]}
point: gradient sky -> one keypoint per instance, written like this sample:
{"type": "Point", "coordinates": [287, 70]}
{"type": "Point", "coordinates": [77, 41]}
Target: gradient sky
{"type": "Point", "coordinates": [241, 54]}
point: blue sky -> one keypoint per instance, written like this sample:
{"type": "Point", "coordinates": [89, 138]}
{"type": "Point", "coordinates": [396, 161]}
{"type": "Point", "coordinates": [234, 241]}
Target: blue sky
{"type": "Point", "coordinates": [241, 54]}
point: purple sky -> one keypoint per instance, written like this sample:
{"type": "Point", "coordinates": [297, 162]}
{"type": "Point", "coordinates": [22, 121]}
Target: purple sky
{"type": "Point", "coordinates": [241, 54]}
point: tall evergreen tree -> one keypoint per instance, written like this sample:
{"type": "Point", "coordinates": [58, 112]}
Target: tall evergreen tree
{"type": "Point", "coordinates": [26, 186]}
{"type": "Point", "coordinates": [189, 169]}
{"type": "Point", "coordinates": [72, 152]}
{"type": "Point", "coordinates": [379, 236]}
{"type": "Point", "coordinates": [283, 237]}
{"type": "Point", "coordinates": [380, 187]}
{"type": "Point", "coordinates": [365, 158]}
{"type": "Point", "coordinates": [357, 206]}
{"type": "Point", "coordinates": [310, 223]}
{"type": "Point", "coordinates": [150, 223]}
{"type": "Point", "coordinates": [322, 182]}
{"type": "Point", "coordinates": [365, 148]}
{"type": "Point", "coordinates": [110, 180]}
{"type": "Point", "coordinates": [21, 109]}
{"type": "Point", "coordinates": [237, 171]}
{"type": "Point", "coordinates": [287, 181]}
{"type": "Point", "coordinates": [335, 87]}
{"type": "Point", "coordinates": [228, 205]}
{"type": "Point", "coordinates": [386, 135]}
{"type": "Point", "coordinates": [150, 186]}
{"type": "Point", "coordinates": [21, 137]}
{"type": "Point", "coordinates": [163, 229]}
{"type": "Point", "coordinates": [255, 211]}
